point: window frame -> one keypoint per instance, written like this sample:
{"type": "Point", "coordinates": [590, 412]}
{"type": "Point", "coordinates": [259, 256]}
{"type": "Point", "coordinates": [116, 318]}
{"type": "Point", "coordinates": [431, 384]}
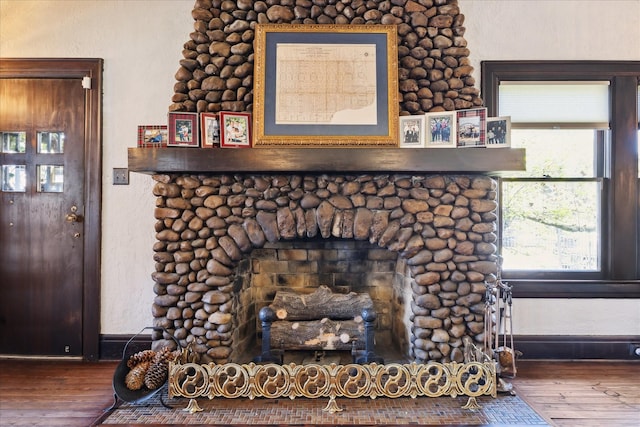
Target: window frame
{"type": "Point", "coordinates": [620, 275]}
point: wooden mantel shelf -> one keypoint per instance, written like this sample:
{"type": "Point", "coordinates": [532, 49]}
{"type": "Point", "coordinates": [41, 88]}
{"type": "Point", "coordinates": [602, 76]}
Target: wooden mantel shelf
{"type": "Point", "coordinates": [320, 160]}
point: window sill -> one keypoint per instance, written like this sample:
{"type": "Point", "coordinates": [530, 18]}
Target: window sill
{"type": "Point", "coordinates": [528, 288]}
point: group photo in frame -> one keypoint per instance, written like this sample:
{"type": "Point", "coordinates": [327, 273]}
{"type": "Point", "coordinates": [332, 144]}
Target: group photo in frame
{"type": "Point", "coordinates": [498, 132]}
{"type": "Point", "coordinates": [325, 85]}
{"type": "Point", "coordinates": [441, 129]}
{"type": "Point", "coordinates": [150, 136]}
{"type": "Point", "coordinates": [471, 127]}
{"type": "Point", "coordinates": [412, 131]}
{"type": "Point", "coordinates": [235, 130]}
{"type": "Point", "coordinates": [210, 130]}
{"type": "Point", "coordinates": [183, 130]}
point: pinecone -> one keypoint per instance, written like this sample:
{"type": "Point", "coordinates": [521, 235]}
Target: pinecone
{"type": "Point", "coordinates": [135, 378]}
{"type": "Point", "coordinates": [139, 357]}
{"type": "Point", "coordinates": [175, 356]}
{"type": "Point", "coordinates": [157, 373]}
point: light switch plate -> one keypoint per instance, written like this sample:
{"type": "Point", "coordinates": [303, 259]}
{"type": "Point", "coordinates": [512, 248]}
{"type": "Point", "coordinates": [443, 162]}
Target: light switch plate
{"type": "Point", "coordinates": [120, 176]}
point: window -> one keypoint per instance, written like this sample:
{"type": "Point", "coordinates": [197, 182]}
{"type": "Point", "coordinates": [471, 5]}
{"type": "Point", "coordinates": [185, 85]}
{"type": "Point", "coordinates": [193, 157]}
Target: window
{"type": "Point", "coordinates": [552, 220]}
{"type": "Point", "coordinates": [568, 225]}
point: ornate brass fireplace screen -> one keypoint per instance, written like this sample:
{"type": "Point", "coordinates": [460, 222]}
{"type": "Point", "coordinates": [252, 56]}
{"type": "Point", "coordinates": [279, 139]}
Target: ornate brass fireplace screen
{"type": "Point", "coordinates": [312, 381]}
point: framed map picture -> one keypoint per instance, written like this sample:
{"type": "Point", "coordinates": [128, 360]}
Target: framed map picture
{"type": "Point", "coordinates": [325, 85]}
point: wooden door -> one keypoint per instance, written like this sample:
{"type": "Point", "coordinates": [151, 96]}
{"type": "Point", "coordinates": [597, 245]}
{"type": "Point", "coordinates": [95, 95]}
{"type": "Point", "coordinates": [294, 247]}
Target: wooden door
{"type": "Point", "coordinates": [44, 219]}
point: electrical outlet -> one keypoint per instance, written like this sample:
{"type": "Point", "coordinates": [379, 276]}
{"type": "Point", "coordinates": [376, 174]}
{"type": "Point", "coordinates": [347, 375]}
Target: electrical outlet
{"type": "Point", "coordinates": [120, 176]}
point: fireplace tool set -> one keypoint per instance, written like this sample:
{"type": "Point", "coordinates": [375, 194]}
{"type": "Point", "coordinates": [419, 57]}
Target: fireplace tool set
{"type": "Point", "coordinates": [498, 321]}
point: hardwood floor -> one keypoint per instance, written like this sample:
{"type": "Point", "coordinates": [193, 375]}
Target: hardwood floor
{"type": "Point", "coordinates": [71, 393]}
{"type": "Point", "coordinates": [54, 393]}
{"type": "Point", "coordinates": [582, 393]}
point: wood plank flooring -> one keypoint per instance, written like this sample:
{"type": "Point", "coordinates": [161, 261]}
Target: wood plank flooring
{"type": "Point", "coordinates": [72, 393]}
{"type": "Point", "coordinates": [582, 393]}
{"type": "Point", "coordinates": [54, 393]}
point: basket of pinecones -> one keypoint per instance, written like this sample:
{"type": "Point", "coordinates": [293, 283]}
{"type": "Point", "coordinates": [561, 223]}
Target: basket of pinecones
{"type": "Point", "coordinates": [142, 374]}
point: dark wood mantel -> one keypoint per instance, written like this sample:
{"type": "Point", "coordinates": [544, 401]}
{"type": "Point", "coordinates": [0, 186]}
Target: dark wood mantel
{"type": "Point", "coordinates": [320, 160]}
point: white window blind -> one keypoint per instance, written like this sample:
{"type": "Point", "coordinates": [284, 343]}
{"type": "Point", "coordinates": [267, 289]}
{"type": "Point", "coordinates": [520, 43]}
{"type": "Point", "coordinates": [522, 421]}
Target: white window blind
{"type": "Point", "coordinates": [585, 103]}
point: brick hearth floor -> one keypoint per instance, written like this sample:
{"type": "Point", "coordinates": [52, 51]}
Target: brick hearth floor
{"type": "Point", "coordinates": [501, 411]}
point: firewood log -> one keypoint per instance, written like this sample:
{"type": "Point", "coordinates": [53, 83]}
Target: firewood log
{"type": "Point", "coordinates": [319, 304]}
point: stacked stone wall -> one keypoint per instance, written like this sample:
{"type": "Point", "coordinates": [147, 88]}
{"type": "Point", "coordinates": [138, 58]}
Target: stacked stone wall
{"type": "Point", "coordinates": [441, 227]}
{"type": "Point", "coordinates": [434, 74]}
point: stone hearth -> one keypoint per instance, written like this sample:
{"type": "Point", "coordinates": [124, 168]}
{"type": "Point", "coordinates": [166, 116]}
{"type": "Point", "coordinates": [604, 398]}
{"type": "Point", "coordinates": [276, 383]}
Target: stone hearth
{"type": "Point", "coordinates": [439, 228]}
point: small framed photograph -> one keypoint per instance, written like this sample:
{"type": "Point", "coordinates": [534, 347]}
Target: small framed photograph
{"type": "Point", "coordinates": [153, 136]}
{"type": "Point", "coordinates": [183, 130]}
{"type": "Point", "coordinates": [411, 131]}
{"type": "Point", "coordinates": [499, 132]}
{"type": "Point", "coordinates": [235, 130]}
{"type": "Point", "coordinates": [441, 129]}
{"type": "Point", "coordinates": [472, 127]}
{"type": "Point", "coordinates": [210, 130]}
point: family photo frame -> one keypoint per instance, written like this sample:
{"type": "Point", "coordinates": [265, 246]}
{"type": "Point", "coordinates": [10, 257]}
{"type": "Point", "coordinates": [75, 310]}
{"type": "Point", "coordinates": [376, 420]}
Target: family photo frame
{"type": "Point", "coordinates": [471, 127]}
{"type": "Point", "coordinates": [150, 136]}
{"type": "Point", "coordinates": [235, 130]}
{"type": "Point", "coordinates": [325, 86]}
{"type": "Point", "coordinates": [412, 131]}
{"type": "Point", "coordinates": [499, 132]}
{"type": "Point", "coordinates": [440, 128]}
{"type": "Point", "coordinates": [183, 130]}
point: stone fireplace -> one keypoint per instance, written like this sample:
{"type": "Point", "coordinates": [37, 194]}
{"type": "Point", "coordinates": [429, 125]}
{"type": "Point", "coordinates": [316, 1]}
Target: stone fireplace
{"type": "Point", "coordinates": [421, 245]}
{"type": "Point", "coordinates": [413, 228]}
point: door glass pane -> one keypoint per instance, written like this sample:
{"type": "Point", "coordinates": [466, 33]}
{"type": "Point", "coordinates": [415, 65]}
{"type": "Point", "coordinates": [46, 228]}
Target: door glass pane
{"type": "Point", "coordinates": [13, 178]}
{"type": "Point", "coordinates": [50, 178]}
{"type": "Point", "coordinates": [50, 142]}
{"type": "Point", "coordinates": [551, 225]}
{"type": "Point", "coordinates": [13, 142]}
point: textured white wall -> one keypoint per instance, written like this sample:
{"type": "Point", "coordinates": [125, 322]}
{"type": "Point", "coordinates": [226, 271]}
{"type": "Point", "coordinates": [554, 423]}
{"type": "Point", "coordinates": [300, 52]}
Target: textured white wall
{"type": "Point", "coordinates": [141, 43]}
{"type": "Point", "coordinates": [551, 30]}
{"type": "Point", "coordinates": [576, 317]}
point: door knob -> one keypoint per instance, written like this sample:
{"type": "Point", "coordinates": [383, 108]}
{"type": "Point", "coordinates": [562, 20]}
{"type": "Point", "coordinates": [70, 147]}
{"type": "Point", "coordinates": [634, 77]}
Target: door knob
{"type": "Point", "coordinates": [73, 216]}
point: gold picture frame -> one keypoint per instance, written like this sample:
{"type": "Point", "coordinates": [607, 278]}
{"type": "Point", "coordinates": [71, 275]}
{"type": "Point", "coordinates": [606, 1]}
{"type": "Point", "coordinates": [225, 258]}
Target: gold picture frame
{"type": "Point", "coordinates": [325, 86]}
